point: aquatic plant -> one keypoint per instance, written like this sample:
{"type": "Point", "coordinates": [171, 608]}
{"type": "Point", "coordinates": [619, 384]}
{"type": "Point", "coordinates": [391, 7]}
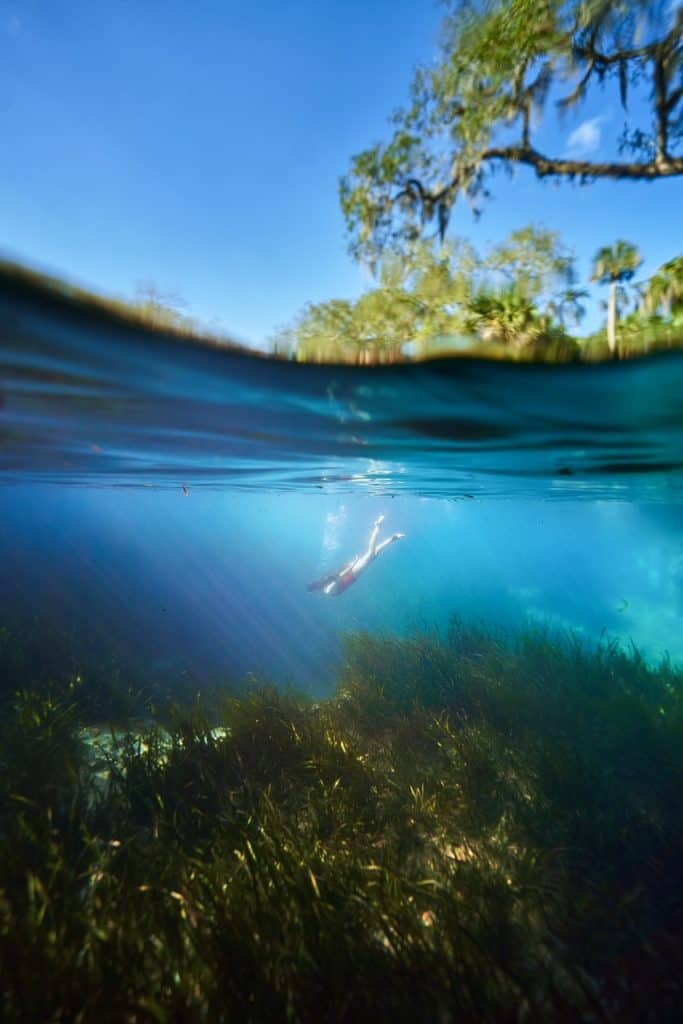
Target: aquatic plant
{"type": "Point", "coordinates": [474, 827]}
{"type": "Point", "coordinates": [91, 674]}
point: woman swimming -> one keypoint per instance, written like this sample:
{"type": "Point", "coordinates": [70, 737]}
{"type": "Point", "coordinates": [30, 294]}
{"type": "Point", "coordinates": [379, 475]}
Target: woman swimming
{"type": "Point", "coordinates": [337, 582]}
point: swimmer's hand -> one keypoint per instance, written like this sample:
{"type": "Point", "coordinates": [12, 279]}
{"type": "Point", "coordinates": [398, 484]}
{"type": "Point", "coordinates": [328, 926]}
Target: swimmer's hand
{"type": "Point", "coordinates": [399, 536]}
{"type": "Point", "coordinates": [379, 520]}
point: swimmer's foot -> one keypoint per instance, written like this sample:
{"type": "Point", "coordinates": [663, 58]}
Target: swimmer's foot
{"type": "Point", "coordinates": [379, 520]}
{"type": "Point", "coordinates": [399, 536]}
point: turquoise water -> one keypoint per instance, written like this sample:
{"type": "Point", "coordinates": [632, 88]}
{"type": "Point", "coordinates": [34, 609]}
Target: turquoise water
{"type": "Point", "coordinates": [167, 503]}
{"type": "Point", "coordinates": [213, 584]}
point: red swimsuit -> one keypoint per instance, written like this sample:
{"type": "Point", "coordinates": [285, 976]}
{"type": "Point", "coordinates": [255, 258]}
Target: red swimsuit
{"type": "Point", "coordinates": [345, 582]}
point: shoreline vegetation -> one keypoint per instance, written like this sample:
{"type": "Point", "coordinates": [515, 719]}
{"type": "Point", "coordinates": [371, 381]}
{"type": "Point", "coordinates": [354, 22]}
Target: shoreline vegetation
{"type": "Point", "coordinates": [520, 301]}
{"type": "Point", "coordinates": [460, 318]}
{"type": "Point", "coordinates": [474, 826]}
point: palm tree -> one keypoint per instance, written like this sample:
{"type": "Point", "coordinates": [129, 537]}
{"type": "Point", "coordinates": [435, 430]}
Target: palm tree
{"type": "Point", "coordinates": [504, 315]}
{"type": "Point", "coordinates": [613, 265]}
{"type": "Point", "coordinates": [665, 289]}
{"type": "Point", "coordinates": [567, 305]}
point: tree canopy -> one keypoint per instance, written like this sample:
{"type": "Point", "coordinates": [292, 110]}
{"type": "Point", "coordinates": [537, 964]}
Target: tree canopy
{"type": "Point", "coordinates": [665, 289]}
{"type": "Point", "coordinates": [617, 262]}
{"type": "Point", "coordinates": [517, 300]}
{"type": "Point", "coordinates": [509, 297]}
{"type": "Point", "coordinates": [503, 65]}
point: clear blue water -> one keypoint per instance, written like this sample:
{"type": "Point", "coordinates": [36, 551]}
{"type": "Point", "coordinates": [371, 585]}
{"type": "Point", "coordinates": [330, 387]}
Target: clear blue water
{"type": "Point", "coordinates": [166, 503]}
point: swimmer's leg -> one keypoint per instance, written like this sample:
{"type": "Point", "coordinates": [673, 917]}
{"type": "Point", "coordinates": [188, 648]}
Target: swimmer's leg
{"type": "Point", "coordinates": [388, 541]}
{"type": "Point", "coordinates": [364, 561]}
{"type": "Point", "coordinates": [372, 545]}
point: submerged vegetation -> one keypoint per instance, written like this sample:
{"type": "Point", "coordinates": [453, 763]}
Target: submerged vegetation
{"type": "Point", "coordinates": [473, 827]}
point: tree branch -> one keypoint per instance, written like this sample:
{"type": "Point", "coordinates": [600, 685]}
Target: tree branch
{"type": "Point", "coordinates": [606, 59]}
{"type": "Point", "coordinates": [650, 50]}
{"type": "Point", "coordinates": [661, 86]}
{"type": "Point", "coordinates": [544, 166]}
{"type": "Point", "coordinates": [591, 52]}
{"type": "Point", "coordinates": [659, 52]}
{"type": "Point", "coordinates": [668, 167]}
{"type": "Point", "coordinates": [673, 99]}
{"type": "Point", "coordinates": [568, 101]}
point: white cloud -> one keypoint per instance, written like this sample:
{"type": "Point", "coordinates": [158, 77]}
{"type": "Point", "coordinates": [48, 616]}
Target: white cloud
{"type": "Point", "coordinates": [587, 137]}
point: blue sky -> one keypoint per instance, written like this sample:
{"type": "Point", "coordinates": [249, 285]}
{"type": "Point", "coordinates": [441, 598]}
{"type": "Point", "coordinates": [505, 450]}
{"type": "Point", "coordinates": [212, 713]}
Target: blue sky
{"type": "Point", "coordinates": [200, 146]}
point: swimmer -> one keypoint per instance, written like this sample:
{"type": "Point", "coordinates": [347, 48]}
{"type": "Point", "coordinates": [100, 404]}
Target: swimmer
{"type": "Point", "coordinates": [337, 582]}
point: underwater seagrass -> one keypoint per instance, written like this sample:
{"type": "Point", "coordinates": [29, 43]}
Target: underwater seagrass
{"type": "Point", "coordinates": [439, 840]}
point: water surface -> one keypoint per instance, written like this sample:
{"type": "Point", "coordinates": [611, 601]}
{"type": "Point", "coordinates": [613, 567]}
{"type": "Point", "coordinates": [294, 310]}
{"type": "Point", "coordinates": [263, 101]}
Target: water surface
{"type": "Point", "coordinates": [89, 400]}
{"type": "Point", "coordinates": [166, 502]}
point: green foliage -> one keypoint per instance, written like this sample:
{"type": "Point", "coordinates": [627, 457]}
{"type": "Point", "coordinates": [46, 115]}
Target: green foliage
{"type": "Point", "coordinates": [664, 292]}
{"type": "Point", "coordinates": [507, 316]}
{"type": "Point", "coordinates": [638, 334]}
{"type": "Point", "coordinates": [161, 309]}
{"type": "Point", "coordinates": [511, 302]}
{"type": "Point", "coordinates": [504, 65]}
{"type": "Point", "coordinates": [505, 303]}
{"type": "Point", "coordinates": [617, 262]}
{"type": "Point", "coordinates": [72, 667]}
{"type": "Point", "coordinates": [657, 325]}
{"type": "Point", "coordinates": [475, 827]}
{"type": "Point", "coordinates": [535, 261]}
{"type": "Point", "coordinates": [325, 331]}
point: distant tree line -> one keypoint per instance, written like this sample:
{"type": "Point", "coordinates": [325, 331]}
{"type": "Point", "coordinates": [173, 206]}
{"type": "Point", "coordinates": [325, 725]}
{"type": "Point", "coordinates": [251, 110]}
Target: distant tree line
{"type": "Point", "coordinates": [151, 307]}
{"type": "Point", "coordinates": [656, 317]}
{"type": "Point", "coordinates": [518, 300]}
{"type": "Point", "coordinates": [162, 309]}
